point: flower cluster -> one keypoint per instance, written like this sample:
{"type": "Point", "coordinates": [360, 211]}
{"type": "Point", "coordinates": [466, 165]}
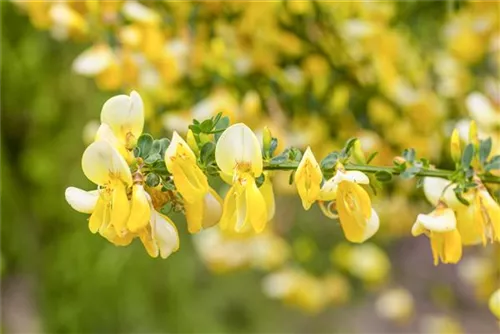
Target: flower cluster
{"type": "Point", "coordinates": [120, 209]}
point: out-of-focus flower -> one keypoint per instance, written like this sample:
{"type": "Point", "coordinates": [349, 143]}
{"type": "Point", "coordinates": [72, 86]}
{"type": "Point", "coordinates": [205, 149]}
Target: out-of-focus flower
{"type": "Point", "coordinates": [494, 303]}
{"type": "Point", "coordinates": [441, 228]}
{"type": "Point", "coordinates": [395, 304]}
{"type": "Point", "coordinates": [239, 157]}
{"type": "Point", "coordinates": [367, 262]}
{"type": "Point", "coordinates": [440, 325]}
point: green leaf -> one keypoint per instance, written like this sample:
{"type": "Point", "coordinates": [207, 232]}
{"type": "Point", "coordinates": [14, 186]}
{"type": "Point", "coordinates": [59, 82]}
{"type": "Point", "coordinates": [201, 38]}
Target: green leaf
{"type": "Point", "coordinates": [273, 146]}
{"type": "Point", "coordinates": [409, 154]}
{"type": "Point", "coordinates": [494, 159]}
{"type": "Point", "coordinates": [145, 143]}
{"type": "Point", "coordinates": [458, 193]}
{"type": "Point", "coordinates": [195, 128]}
{"type": "Point", "coordinates": [484, 149]}
{"type": "Point", "coordinates": [217, 118]}
{"type": "Point", "coordinates": [291, 178]}
{"type": "Point", "coordinates": [152, 180]}
{"type": "Point", "coordinates": [207, 152]}
{"type": "Point", "coordinates": [420, 182]}
{"type": "Point", "coordinates": [164, 142]}
{"type": "Point", "coordinates": [468, 155]}
{"type": "Point", "coordinates": [152, 158]}
{"type": "Point", "coordinates": [260, 180]}
{"type": "Point", "coordinates": [383, 176]}
{"type": "Point", "coordinates": [492, 166]}
{"type": "Point", "coordinates": [206, 126]}
{"type": "Point", "coordinates": [410, 172]}
{"type": "Point", "coordinates": [156, 148]}
{"type": "Point", "coordinates": [294, 154]}
{"type": "Point", "coordinates": [349, 144]}
{"type": "Point", "coordinates": [279, 159]}
{"type": "Point", "coordinates": [371, 157]}
{"type": "Point", "coordinates": [329, 161]}
{"type": "Point", "coordinates": [222, 124]}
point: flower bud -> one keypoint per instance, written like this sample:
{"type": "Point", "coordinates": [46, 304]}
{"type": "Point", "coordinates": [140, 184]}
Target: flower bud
{"type": "Point", "coordinates": [473, 138]}
{"type": "Point", "coordinates": [455, 149]}
{"type": "Point", "coordinates": [191, 141]}
{"type": "Point", "coordinates": [267, 138]}
{"type": "Point", "coordinates": [357, 152]}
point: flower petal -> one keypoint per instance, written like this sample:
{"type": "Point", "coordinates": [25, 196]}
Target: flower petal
{"type": "Point", "coordinates": [165, 234]}
{"type": "Point", "coordinates": [237, 146]}
{"type": "Point", "coordinates": [101, 163]}
{"type": "Point", "coordinates": [140, 210]}
{"type": "Point", "coordinates": [81, 200]}
{"type": "Point", "coordinates": [256, 212]}
{"type": "Point", "coordinates": [267, 191]}
{"type": "Point", "coordinates": [372, 226]}
{"type": "Point", "coordinates": [440, 220]}
{"type": "Point", "coordinates": [124, 114]}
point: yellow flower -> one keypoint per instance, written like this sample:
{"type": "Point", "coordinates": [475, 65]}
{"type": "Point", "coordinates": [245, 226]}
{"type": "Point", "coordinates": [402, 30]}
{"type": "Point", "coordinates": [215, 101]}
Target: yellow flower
{"type": "Point", "coordinates": [160, 237]}
{"type": "Point", "coordinates": [123, 116]}
{"type": "Point", "coordinates": [357, 218]}
{"type": "Point", "coordinates": [441, 228]}
{"type": "Point", "coordinates": [494, 303]}
{"type": "Point", "coordinates": [202, 205]}
{"type": "Point", "coordinates": [239, 158]}
{"type": "Point", "coordinates": [395, 304]}
{"type": "Point", "coordinates": [487, 212]}
{"type": "Point", "coordinates": [188, 177]}
{"type": "Point", "coordinates": [470, 229]}
{"type": "Point", "coordinates": [103, 165]}
{"type": "Point", "coordinates": [308, 179]}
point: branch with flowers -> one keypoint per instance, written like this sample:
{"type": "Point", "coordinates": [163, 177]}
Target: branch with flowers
{"type": "Point", "coordinates": [141, 180]}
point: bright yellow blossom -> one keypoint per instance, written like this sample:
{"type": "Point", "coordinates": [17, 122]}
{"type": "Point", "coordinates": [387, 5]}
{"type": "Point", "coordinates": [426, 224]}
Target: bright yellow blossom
{"type": "Point", "coordinates": [357, 218]}
{"type": "Point", "coordinates": [238, 155]}
{"type": "Point", "coordinates": [103, 165]}
{"type": "Point", "coordinates": [494, 303]}
{"type": "Point", "coordinates": [441, 228]}
{"type": "Point", "coordinates": [201, 203]}
{"type": "Point", "coordinates": [487, 212]}
{"type": "Point", "coordinates": [308, 179]}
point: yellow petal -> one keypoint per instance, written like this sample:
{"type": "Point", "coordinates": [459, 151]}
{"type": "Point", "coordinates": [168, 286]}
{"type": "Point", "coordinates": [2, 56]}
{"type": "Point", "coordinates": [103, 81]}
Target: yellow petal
{"type": "Point", "coordinates": [190, 182]}
{"type": "Point", "coordinates": [178, 146]}
{"type": "Point", "coordinates": [81, 200]}
{"type": "Point", "coordinates": [267, 191]}
{"type": "Point", "coordinates": [354, 209]}
{"type": "Point", "coordinates": [140, 210]}
{"type": "Point", "coordinates": [124, 114]}
{"type": "Point", "coordinates": [470, 229]}
{"type": "Point", "coordinates": [120, 208]}
{"type": "Point", "coordinates": [101, 163]}
{"type": "Point", "coordinates": [308, 179]}
{"type": "Point", "coordinates": [256, 212]}
{"type": "Point", "coordinates": [99, 215]}
{"type": "Point", "coordinates": [148, 242]}
{"type": "Point", "coordinates": [494, 303]}
{"type": "Point", "coordinates": [372, 226]}
{"type": "Point", "coordinates": [165, 234]}
{"type": "Point", "coordinates": [228, 209]}
{"type": "Point", "coordinates": [194, 214]}
{"type": "Point", "coordinates": [452, 252]}
{"type": "Point", "coordinates": [440, 220]}
{"type": "Point", "coordinates": [212, 210]}
{"type": "Point", "coordinates": [238, 148]}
